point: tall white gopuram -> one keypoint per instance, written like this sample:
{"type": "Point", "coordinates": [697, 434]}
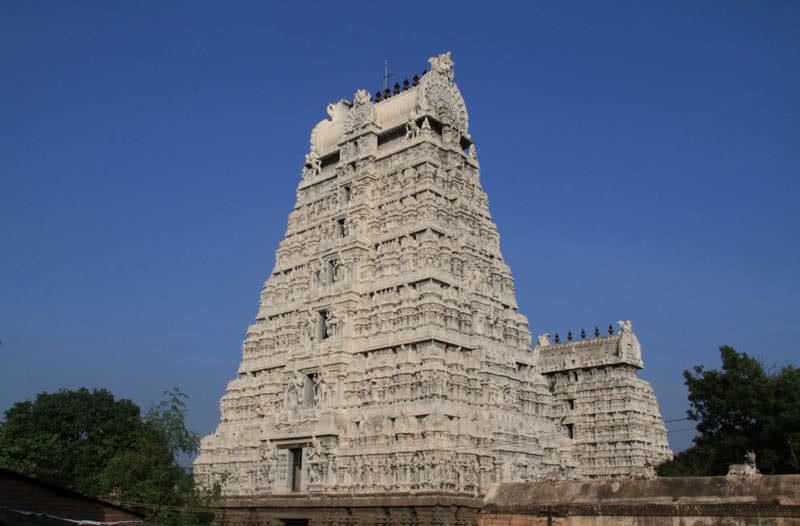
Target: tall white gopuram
{"type": "Point", "coordinates": [389, 355]}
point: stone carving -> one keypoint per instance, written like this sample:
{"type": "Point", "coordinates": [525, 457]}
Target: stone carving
{"type": "Point", "coordinates": [349, 151]}
{"type": "Point", "coordinates": [443, 65]}
{"type": "Point", "coordinates": [388, 353]}
{"type": "Point", "coordinates": [326, 132]}
{"type": "Point", "coordinates": [361, 114]}
{"type": "Point", "coordinates": [426, 127]}
{"type": "Point", "coordinates": [412, 130]}
{"type": "Point", "coordinates": [439, 96]}
{"type": "Point", "coordinates": [268, 455]}
{"type": "Point", "coordinates": [748, 468]}
{"type": "Point", "coordinates": [312, 166]}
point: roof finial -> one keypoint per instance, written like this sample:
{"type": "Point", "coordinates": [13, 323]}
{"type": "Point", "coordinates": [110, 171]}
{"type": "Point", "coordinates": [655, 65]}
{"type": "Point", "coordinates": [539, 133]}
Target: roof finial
{"type": "Point", "coordinates": [386, 75]}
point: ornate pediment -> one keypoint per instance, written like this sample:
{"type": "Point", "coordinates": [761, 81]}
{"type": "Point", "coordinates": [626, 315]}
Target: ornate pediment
{"type": "Point", "coordinates": [361, 114]}
{"type": "Point", "coordinates": [439, 96]}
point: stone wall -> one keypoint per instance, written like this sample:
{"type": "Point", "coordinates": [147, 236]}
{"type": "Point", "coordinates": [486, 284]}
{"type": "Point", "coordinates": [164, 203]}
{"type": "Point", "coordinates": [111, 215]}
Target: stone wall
{"type": "Point", "coordinates": [695, 501]}
{"type": "Point", "coordinates": [690, 501]}
{"type": "Point", "coordinates": [362, 510]}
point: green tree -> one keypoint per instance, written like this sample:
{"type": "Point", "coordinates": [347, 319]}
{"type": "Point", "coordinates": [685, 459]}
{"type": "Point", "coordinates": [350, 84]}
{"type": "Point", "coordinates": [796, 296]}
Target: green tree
{"type": "Point", "coordinates": [67, 437]}
{"type": "Point", "coordinates": [148, 472]}
{"type": "Point", "coordinates": [741, 408]}
{"type": "Point", "coordinates": [168, 417]}
{"type": "Point", "coordinates": [87, 441]}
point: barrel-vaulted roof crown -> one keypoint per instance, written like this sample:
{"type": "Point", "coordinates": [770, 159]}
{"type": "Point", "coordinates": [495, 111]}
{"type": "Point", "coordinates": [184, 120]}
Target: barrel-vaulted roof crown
{"type": "Point", "coordinates": [436, 96]}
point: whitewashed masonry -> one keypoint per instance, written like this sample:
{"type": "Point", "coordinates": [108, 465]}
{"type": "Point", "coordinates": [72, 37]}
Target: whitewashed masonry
{"type": "Point", "coordinates": [389, 354]}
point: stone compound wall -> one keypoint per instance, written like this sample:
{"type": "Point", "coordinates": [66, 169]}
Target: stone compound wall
{"type": "Point", "coordinates": [389, 354]}
{"type": "Point", "coordinates": [374, 510]}
{"type": "Point", "coordinates": [689, 501]}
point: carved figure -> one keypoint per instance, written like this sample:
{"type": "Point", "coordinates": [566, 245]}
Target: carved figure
{"type": "Point", "coordinates": [361, 114]}
{"type": "Point", "coordinates": [299, 383]}
{"type": "Point", "coordinates": [313, 326]}
{"type": "Point", "coordinates": [317, 379]}
{"type": "Point", "coordinates": [748, 468]}
{"type": "Point", "coordinates": [313, 163]}
{"type": "Point", "coordinates": [442, 64]}
{"type": "Point", "coordinates": [426, 126]}
{"type": "Point", "coordinates": [412, 130]}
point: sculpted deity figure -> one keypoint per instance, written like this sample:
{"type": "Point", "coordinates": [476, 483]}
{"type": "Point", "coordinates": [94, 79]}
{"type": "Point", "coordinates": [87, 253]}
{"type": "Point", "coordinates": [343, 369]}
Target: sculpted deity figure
{"type": "Point", "coordinates": [315, 449]}
{"type": "Point", "coordinates": [268, 454]}
{"type": "Point", "coordinates": [313, 321]}
{"type": "Point", "coordinates": [361, 96]}
{"type": "Point", "coordinates": [317, 378]}
{"type": "Point", "coordinates": [332, 474]}
{"type": "Point", "coordinates": [334, 324]}
{"type": "Point", "coordinates": [314, 459]}
{"type": "Point", "coordinates": [299, 380]}
{"type": "Point", "coordinates": [413, 475]}
{"type": "Point", "coordinates": [442, 64]}
{"type": "Point", "coordinates": [412, 130]}
{"type": "Point", "coordinates": [426, 127]}
{"type": "Point", "coordinates": [313, 164]}
{"type": "Point", "coordinates": [323, 389]}
{"type": "Point", "coordinates": [507, 397]}
{"type": "Point", "coordinates": [361, 113]}
{"type": "Point", "coordinates": [338, 272]}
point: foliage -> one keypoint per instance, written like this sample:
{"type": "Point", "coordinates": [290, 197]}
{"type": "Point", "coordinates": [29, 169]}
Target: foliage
{"type": "Point", "coordinates": [67, 437]}
{"type": "Point", "coordinates": [87, 441]}
{"type": "Point", "coordinates": [168, 418]}
{"type": "Point", "coordinates": [739, 409]}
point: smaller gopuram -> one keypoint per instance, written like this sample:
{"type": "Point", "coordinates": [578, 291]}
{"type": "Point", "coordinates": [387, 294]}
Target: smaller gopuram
{"type": "Point", "coordinates": [389, 354]}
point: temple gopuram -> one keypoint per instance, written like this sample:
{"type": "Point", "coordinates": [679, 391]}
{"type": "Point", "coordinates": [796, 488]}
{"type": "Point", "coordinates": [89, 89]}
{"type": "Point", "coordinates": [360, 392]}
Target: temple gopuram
{"type": "Point", "coordinates": [389, 355]}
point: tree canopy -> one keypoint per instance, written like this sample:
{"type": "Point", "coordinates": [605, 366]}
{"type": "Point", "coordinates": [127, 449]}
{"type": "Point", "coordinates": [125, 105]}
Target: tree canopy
{"type": "Point", "coordinates": [89, 442]}
{"type": "Point", "coordinates": [741, 408]}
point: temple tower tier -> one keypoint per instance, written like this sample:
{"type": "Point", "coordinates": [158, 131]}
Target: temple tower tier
{"type": "Point", "coordinates": [389, 355]}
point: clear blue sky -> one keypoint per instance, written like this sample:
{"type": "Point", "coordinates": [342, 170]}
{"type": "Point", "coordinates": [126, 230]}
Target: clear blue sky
{"type": "Point", "coordinates": [641, 161]}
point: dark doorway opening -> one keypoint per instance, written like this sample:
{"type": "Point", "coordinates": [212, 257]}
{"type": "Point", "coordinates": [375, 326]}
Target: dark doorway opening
{"type": "Point", "coordinates": [295, 468]}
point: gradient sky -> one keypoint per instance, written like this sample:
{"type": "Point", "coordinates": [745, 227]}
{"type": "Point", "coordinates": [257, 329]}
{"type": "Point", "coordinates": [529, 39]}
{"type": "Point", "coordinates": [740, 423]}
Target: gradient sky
{"type": "Point", "coordinates": [641, 161]}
